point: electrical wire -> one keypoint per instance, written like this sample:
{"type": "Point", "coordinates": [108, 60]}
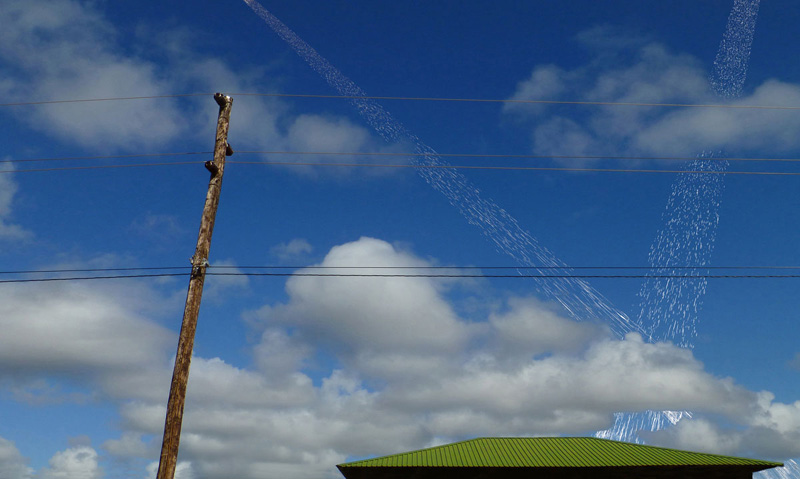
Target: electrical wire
{"type": "Point", "coordinates": [94, 270]}
{"type": "Point", "coordinates": [316, 267]}
{"type": "Point", "coordinates": [513, 156]}
{"type": "Point", "coordinates": [535, 102]}
{"type": "Point", "coordinates": [516, 168]}
{"type": "Point", "coordinates": [413, 155]}
{"type": "Point", "coordinates": [366, 275]}
{"type": "Point", "coordinates": [109, 157]}
{"type": "Point", "coordinates": [86, 100]}
{"type": "Point", "coordinates": [383, 165]}
{"type": "Point", "coordinates": [549, 276]}
{"type": "Point", "coordinates": [426, 99]}
{"type": "Point", "coordinates": [101, 167]}
{"type": "Point", "coordinates": [88, 278]}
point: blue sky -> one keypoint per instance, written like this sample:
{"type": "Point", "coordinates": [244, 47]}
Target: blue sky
{"type": "Point", "coordinates": [293, 375]}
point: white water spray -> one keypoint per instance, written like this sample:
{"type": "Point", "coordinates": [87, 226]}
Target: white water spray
{"type": "Point", "coordinates": [669, 307]}
{"type": "Point", "coordinates": [579, 299]}
{"type": "Point", "coordinates": [730, 65]}
{"type": "Point", "coordinates": [692, 208]}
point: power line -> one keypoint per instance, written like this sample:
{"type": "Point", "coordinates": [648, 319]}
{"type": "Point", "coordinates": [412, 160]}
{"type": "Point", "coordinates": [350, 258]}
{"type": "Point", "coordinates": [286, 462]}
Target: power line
{"type": "Point", "coordinates": [425, 99]}
{"type": "Point", "coordinates": [535, 102]}
{"type": "Point", "coordinates": [549, 276]}
{"type": "Point", "coordinates": [108, 157]}
{"type": "Point", "coordinates": [87, 100]}
{"type": "Point", "coordinates": [94, 270]}
{"type": "Point", "coordinates": [508, 267]}
{"type": "Point", "coordinates": [88, 278]}
{"type": "Point", "coordinates": [384, 165]}
{"type": "Point", "coordinates": [389, 267]}
{"type": "Point", "coordinates": [511, 156]}
{"type": "Point", "coordinates": [413, 155]}
{"type": "Point", "coordinates": [101, 167]}
{"type": "Point", "coordinates": [516, 168]}
{"type": "Point", "coordinates": [363, 275]}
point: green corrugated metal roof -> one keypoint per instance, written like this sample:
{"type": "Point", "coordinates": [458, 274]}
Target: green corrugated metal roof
{"type": "Point", "coordinates": [551, 452]}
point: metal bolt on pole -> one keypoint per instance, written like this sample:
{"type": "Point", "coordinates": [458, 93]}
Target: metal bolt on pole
{"type": "Point", "coordinates": [183, 358]}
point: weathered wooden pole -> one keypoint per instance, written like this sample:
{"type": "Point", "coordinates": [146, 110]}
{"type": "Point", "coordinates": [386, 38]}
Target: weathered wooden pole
{"type": "Point", "coordinates": [180, 375]}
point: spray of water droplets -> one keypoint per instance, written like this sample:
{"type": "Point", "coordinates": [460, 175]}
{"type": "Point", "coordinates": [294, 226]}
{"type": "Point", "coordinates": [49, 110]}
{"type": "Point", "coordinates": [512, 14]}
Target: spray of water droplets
{"type": "Point", "coordinates": [580, 300]}
{"type": "Point", "coordinates": [668, 308]}
{"type": "Point", "coordinates": [730, 70]}
{"type": "Point", "coordinates": [730, 65]}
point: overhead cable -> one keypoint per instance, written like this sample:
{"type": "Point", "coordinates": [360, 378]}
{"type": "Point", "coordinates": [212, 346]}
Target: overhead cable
{"type": "Point", "coordinates": [400, 154]}
{"type": "Point", "coordinates": [365, 275]}
{"type": "Point", "coordinates": [516, 168]}
{"type": "Point", "coordinates": [88, 278]}
{"type": "Point", "coordinates": [383, 165]}
{"type": "Point", "coordinates": [390, 267]}
{"type": "Point", "coordinates": [101, 167]}
{"type": "Point", "coordinates": [547, 276]}
{"type": "Point", "coordinates": [425, 99]}
{"type": "Point", "coordinates": [105, 157]}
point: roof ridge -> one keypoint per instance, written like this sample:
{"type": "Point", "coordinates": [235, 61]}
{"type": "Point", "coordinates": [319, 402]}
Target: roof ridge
{"type": "Point", "coordinates": [540, 450]}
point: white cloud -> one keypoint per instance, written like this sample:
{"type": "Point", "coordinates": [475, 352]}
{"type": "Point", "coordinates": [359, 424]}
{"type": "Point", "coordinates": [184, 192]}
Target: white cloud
{"type": "Point", "coordinates": [401, 370]}
{"type": "Point", "coordinates": [529, 328]}
{"type": "Point", "coordinates": [73, 463]}
{"type": "Point", "coordinates": [183, 470]}
{"type": "Point", "coordinates": [220, 284]}
{"type": "Point", "coordinates": [319, 133]}
{"type": "Point", "coordinates": [351, 312]}
{"type": "Point", "coordinates": [129, 445]}
{"type": "Point", "coordinates": [66, 327]}
{"type": "Point", "coordinates": [639, 71]}
{"type": "Point", "coordinates": [64, 49]}
{"type": "Point", "coordinates": [296, 248]}
{"type": "Point", "coordinates": [12, 463]}
{"type": "Point", "coordinates": [772, 432]}
{"type": "Point", "coordinates": [8, 189]}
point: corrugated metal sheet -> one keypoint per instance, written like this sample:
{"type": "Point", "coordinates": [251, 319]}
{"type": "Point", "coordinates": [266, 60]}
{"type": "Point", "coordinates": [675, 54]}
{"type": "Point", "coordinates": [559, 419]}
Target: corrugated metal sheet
{"type": "Point", "coordinates": [551, 452]}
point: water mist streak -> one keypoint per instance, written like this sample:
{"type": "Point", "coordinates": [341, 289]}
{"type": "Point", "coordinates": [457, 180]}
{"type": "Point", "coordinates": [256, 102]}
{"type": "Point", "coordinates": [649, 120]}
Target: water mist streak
{"type": "Point", "coordinates": [692, 208]}
{"type": "Point", "coordinates": [669, 307]}
{"type": "Point", "coordinates": [579, 299]}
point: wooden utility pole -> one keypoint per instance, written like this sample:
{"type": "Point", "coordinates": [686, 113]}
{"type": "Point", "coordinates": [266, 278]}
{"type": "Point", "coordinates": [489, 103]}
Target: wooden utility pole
{"type": "Point", "coordinates": [180, 375]}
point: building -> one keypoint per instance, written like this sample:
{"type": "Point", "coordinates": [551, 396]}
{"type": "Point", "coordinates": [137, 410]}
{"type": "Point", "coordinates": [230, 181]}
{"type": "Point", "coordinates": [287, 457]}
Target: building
{"type": "Point", "coordinates": [552, 457]}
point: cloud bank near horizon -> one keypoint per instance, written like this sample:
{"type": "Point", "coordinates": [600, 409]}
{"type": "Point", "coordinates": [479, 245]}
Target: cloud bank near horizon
{"type": "Point", "coordinates": [350, 367]}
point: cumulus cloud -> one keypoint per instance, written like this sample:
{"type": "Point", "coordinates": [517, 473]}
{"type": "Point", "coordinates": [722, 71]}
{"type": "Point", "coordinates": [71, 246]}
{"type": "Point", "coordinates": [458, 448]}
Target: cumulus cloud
{"type": "Point", "coordinates": [12, 463]}
{"type": "Point", "coordinates": [396, 390]}
{"type": "Point", "coordinates": [530, 328]}
{"type": "Point", "coordinates": [183, 470]}
{"type": "Point", "coordinates": [62, 50]}
{"type": "Point", "coordinates": [294, 249]}
{"type": "Point", "coordinates": [366, 366]}
{"type": "Point", "coordinates": [773, 431]}
{"type": "Point", "coordinates": [351, 312]}
{"type": "Point", "coordinates": [217, 285]}
{"type": "Point", "coordinates": [74, 462]}
{"type": "Point", "coordinates": [65, 49]}
{"type": "Point", "coordinates": [626, 69]}
{"type": "Point", "coordinates": [63, 328]}
{"type": "Point", "coordinates": [9, 231]}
